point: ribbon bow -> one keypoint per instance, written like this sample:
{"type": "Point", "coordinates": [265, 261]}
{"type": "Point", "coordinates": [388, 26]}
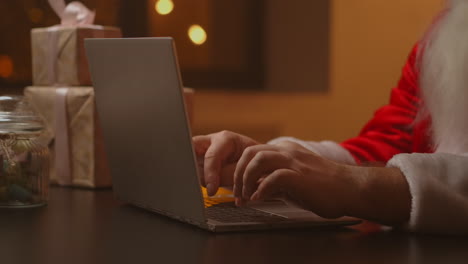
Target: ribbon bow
{"type": "Point", "coordinates": [73, 14]}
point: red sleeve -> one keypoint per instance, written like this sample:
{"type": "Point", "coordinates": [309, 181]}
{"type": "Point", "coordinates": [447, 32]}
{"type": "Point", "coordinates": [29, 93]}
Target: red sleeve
{"type": "Point", "coordinates": [389, 132]}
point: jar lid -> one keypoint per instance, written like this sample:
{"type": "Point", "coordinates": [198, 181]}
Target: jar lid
{"type": "Point", "coordinates": [16, 116]}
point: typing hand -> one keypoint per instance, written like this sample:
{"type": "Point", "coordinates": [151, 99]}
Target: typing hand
{"type": "Point", "coordinates": [289, 171]}
{"type": "Point", "coordinates": [217, 156]}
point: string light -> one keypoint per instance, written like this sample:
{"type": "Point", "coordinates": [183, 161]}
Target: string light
{"type": "Point", "coordinates": [197, 34]}
{"type": "Point", "coordinates": [164, 7]}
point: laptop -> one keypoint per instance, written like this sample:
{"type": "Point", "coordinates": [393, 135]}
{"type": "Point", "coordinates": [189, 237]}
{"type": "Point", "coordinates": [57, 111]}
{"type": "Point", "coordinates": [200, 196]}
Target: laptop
{"type": "Point", "coordinates": [147, 137]}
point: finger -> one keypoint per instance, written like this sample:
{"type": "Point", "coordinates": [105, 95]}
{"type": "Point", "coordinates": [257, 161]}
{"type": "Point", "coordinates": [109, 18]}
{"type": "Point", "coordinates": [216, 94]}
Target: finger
{"type": "Point", "coordinates": [201, 144]}
{"type": "Point", "coordinates": [226, 178]}
{"type": "Point", "coordinates": [239, 202]}
{"type": "Point", "coordinates": [222, 147]}
{"type": "Point", "coordinates": [264, 163]}
{"type": "Point", "coordinates": [201, 175]}
{"type": "Point", "coordinates": [275, 183]}
{"type": "Point", "coordinates": [248, 154]}
{"type": "Point", "coordinates": [289, 145]}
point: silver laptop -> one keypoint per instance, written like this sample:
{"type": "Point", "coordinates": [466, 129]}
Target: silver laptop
{"type": "Point", "coordinates": [149, 146]}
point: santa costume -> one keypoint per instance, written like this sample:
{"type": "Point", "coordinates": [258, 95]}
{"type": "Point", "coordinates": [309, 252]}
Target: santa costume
{"type": "Point", "coordinates": [423, 130]}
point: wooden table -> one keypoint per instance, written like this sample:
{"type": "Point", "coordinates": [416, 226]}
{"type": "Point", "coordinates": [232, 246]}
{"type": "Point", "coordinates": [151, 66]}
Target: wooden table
{"type": "Point", "coordinates": [82, 226]}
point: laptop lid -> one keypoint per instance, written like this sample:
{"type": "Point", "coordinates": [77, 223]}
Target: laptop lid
{"type": "Point", "coordinates": [147, 138]}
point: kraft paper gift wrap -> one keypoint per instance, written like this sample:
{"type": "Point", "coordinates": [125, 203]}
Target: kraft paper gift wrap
{"type": "Point", "coordinates": [58, 53]}
{"type": "Point", "coordinates": [77, 151]}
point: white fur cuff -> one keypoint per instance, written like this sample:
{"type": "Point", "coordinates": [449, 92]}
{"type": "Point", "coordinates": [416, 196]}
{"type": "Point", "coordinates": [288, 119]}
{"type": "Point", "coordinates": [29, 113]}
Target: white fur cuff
{"type": "Point", "coordinates": [439, 187]}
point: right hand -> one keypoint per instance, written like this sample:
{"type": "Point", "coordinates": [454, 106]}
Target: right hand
{"type": "Point", "coordinates": [217, 156]}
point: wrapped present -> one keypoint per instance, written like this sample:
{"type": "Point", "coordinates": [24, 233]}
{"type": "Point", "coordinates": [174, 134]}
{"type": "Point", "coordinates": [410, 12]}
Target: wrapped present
{"type": "Point", "coordinates": [77, 149]}
{"type": "Point", "coordinates": [58, 54]}
{"type": "Point", "coordinates": [77, 152]}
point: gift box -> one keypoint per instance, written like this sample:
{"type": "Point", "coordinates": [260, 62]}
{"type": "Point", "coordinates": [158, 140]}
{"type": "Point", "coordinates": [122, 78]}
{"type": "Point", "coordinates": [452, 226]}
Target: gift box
{"type": "Point", "coordinates": [77, 151]}
{"type": "Point", "coordinates": [58, 53]}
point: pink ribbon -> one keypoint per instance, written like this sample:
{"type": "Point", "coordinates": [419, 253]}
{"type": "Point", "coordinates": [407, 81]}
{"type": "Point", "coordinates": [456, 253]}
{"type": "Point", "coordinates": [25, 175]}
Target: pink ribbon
{"type": "Point", "coordinates": [62, 148]}
{"type": "Point", "coordinates": [72, 15]}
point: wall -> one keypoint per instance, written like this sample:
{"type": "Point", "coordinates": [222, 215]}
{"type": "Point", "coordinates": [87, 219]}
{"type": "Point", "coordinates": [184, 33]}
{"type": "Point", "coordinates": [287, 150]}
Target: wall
{"type": "Point", "coordinates": [369, 43]}
{"type": "Point", "coordinates": [297, 46]}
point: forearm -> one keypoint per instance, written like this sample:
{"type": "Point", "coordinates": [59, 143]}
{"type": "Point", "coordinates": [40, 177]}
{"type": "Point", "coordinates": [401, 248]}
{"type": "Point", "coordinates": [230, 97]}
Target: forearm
{"type": "Point", "coordinates": [378, 194]}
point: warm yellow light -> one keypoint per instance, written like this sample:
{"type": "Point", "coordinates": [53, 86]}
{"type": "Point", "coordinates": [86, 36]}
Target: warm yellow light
{"type": "Point", "coordinates": [6, 66]}
{"type": "Point", "coordinates": [197, 34]}
{"type": "Point", "coordinates": [164, 7]}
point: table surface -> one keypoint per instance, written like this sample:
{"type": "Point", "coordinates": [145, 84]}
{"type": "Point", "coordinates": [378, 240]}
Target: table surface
{"type": "Point", "coordinates": [83, 226]}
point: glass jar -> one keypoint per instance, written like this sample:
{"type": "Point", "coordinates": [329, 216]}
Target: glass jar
{"type": "Point", "coordinates": [24, 155]}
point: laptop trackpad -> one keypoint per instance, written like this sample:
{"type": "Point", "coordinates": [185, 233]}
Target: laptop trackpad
{"type": "Point", "coordinates": [280, 208]}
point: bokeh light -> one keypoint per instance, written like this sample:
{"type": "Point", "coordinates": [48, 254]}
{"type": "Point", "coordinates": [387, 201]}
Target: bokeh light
{"type": "Point", "coordinates": [6, 66]}
{"type": "Point", "coordinates": [164, 7]}
{"type": "Point", "coordinates": [197, 34]}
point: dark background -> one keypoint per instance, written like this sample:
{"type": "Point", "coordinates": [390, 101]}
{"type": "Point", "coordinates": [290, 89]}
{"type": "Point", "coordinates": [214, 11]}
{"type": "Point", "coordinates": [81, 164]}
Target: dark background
{"type": "Point", "coordinates": [244, 38]}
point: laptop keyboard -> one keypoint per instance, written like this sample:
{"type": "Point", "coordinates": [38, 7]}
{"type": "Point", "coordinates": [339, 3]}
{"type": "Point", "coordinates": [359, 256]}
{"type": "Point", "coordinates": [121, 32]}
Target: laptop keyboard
{"type": "Point", "coordinates": [230, 213]}
{"type": "Point", "coordinates": [221, 208]}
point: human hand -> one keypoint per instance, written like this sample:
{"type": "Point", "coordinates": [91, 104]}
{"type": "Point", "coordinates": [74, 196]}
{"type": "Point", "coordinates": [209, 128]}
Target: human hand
{"type": "Point", "coordinates": [217, 156]}
{"type": "Point", "coordinates": [290, 171]}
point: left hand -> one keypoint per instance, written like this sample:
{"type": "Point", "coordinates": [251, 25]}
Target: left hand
{"type": "Point", "coordinates": [294, 173]}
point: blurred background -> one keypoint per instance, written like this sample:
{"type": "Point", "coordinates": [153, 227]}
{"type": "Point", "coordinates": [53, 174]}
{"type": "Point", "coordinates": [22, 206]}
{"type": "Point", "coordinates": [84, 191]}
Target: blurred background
{"type": "Point", "coordinates": [265, 68]}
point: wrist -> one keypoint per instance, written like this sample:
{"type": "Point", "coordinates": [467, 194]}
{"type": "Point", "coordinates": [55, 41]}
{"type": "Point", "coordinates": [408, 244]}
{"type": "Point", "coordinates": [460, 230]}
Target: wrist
{"type": "Point", "coordinates": [377, 194]}
{"type": "Point", "coordinates": [352, 180]}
